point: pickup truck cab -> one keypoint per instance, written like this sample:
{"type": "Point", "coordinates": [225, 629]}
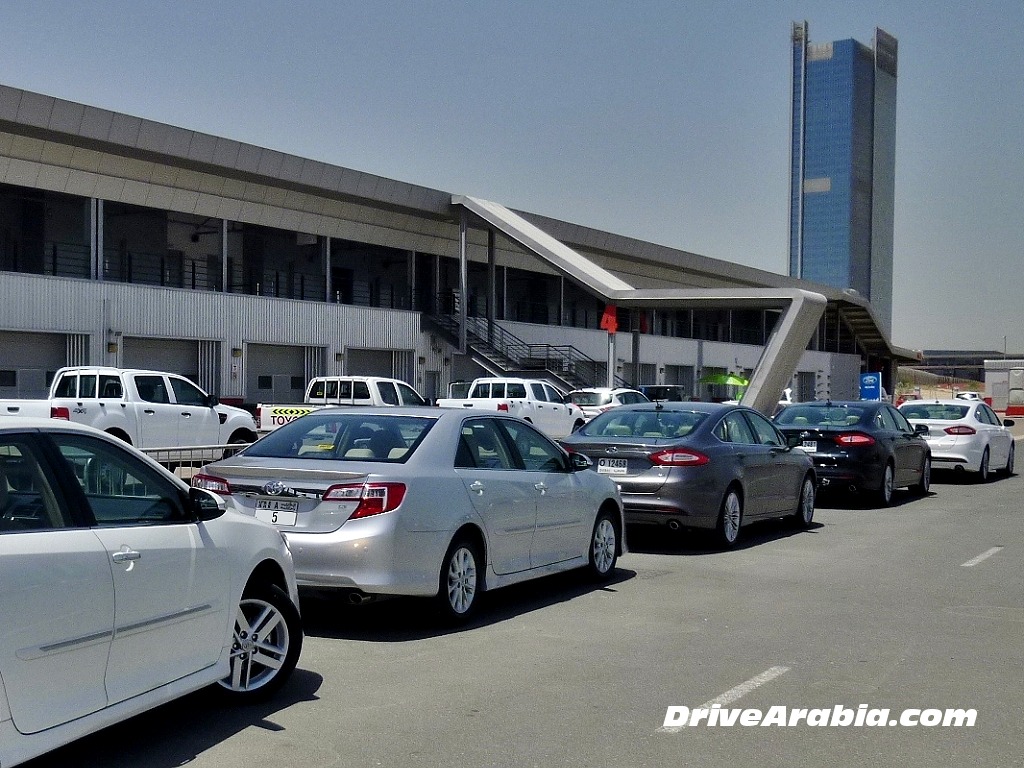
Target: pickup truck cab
{"type": "Point", "coordinates": [530, 399]}
{"type": "Point", "coordinates": [147, 409]}
{"type": "Point", "coordinates": [326, 391]}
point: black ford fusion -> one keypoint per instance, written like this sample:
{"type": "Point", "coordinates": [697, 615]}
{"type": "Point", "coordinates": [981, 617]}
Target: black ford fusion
{"type": "Point", "coordinates": [698, 465]}
{"type": "Point", "coordinates": [859, 445]}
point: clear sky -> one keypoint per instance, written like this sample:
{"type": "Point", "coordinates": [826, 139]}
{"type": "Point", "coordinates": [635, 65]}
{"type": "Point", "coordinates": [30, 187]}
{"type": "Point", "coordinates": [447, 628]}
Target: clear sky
{"type": "Point", "coordinates": [662, 120]}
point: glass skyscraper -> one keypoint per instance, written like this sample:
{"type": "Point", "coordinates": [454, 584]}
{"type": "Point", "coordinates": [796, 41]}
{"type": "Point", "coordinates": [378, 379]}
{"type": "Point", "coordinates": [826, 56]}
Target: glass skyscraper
{"type": "Point", "coordinates": [843, 164]}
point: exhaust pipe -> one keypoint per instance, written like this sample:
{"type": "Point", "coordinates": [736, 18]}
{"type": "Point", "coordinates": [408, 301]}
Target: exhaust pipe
{"type": "Point", "coordinates": [853, 488]}
{"type": "Point", "coordinates": [673, 525]}
{"type": "Point", "coordinates": [358, 598]}
{"type": "Point", "coordinates": [825, 481]}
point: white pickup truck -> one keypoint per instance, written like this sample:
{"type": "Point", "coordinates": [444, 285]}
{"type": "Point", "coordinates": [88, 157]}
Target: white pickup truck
{"type": "Point", "coordinates": [148, 409]}
{"type": "Point", "coordinates": [324, 391]}
{"type": "Point", "coordinates": [535, 401]}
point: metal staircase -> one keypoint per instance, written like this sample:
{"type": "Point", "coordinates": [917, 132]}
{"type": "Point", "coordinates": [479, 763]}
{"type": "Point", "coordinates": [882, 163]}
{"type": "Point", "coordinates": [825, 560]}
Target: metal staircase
{"type": "Point", "coordinates": [502, 353]}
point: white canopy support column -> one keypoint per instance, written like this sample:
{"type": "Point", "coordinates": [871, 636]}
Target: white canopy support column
{"type": "Point", "coordinates": [801, 310]}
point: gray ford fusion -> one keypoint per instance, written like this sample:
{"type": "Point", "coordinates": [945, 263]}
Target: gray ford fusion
{"type": "Point", "coordinates": [432, 502]}
{"type": "Point", "coordinates": [699, 465]}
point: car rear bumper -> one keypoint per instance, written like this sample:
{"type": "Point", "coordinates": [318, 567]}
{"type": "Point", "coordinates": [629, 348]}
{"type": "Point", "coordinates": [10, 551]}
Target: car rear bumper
{"type": "Point", "coordinates": [845, 475]}
{"type": "Point", "coordinates": [691, 510]}
{"type": "Point", "coordinates": [368, 557]}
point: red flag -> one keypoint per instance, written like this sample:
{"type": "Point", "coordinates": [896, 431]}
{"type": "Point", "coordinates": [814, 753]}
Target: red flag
{"type": "Point", "coordinates": [609, 320]}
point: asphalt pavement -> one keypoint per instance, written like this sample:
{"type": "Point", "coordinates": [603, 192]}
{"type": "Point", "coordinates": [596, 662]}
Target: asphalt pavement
{"type": "Point", "coordinates": [918, 606]}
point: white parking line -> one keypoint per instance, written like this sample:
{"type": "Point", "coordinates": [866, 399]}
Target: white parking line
{"type": "Point", "coordinates": [979, 558]}
{"type": "Point", "coordinates": [733, 694]}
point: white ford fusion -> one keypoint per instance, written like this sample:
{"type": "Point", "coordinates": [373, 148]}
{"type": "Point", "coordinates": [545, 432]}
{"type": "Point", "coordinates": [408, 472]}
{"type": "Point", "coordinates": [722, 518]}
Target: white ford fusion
{"type": "Point", "coordinates": [964, 435]}
{"type": "Point", "coordinates": [121, 588]}
{"type": "Point", "coordinates": [432, 502]}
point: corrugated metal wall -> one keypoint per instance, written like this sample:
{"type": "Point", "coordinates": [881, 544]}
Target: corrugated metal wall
{"type": "Point", "coordinates": [104, 313]}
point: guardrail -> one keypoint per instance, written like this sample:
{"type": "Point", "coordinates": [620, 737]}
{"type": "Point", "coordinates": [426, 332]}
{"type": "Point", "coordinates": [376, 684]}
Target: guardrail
{"type": "Point", "coordinates": [185, 462]}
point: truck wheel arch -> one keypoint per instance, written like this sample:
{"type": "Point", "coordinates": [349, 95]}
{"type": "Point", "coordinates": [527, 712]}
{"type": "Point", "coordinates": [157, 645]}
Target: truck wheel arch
{"type": "Point", "coordinates": [120, 434]}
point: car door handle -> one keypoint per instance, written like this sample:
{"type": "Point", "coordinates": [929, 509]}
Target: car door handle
{"type": "Point", "coordinates": [541, 487]}
{"type": "Point", "coordinates": [477, 487]}
{"type": "Point", "coordinates": [186, 414]}
{"type": "Point", "coordinates": [126, 555]}
{"type": "Point", "coordinates": [150, 411]}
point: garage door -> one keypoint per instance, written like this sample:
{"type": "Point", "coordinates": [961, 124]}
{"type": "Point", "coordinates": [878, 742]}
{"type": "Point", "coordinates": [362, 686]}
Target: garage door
{"type": "Point", "coordinates": [173, 355]}
{"type": "Point", "coordinates": [275, 373]}
{"type": "Point", "coordinates": [29, 361]}
{"type": "Point", "coordinates": [379, 362]}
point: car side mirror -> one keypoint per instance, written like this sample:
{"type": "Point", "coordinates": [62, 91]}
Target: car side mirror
{"type": "Point", "coordinates": [205, 505]}
{"type": "Point", "coordinates": [211, 400]}
{"type": "Point", "coordinates": [1008, 422]}
{"type": "Point", "coordinates": [580, 461]}
{"type": "Point", "coordinates": [921, 429]}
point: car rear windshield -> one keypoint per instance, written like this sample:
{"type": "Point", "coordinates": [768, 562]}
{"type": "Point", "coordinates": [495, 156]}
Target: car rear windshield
{"type": "Point", "coordinates": [937, 411]}
{"type": "Point", "coordinates": [345, 436]}
{"type": "Point", "coordinates": [590, 398]}
{"type": "Point", "coordinates": [820, 416]}
{"type": "Point", "coordinates": [651, 424]}
{"type": "Point", "coordinates": [664, 393]}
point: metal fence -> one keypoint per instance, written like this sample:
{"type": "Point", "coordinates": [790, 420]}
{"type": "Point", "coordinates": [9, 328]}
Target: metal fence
{"type": "Point", "coordinates": [185, 462]}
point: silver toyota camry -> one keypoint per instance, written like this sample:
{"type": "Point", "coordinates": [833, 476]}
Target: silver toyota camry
{"type": "Point", "coordinates": [430, 502]}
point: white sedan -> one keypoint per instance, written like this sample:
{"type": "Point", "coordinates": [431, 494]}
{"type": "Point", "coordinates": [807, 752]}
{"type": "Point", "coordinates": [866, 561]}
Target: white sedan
{"type": "Point", "coordinates": [965, 435]}
{"type": "Point", "coordinates": [434, 502]}
{"type": "Point", "coordinates": [121, 589]}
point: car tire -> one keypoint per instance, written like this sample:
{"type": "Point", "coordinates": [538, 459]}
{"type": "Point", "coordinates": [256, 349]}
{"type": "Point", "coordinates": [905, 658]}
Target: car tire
{"type": "Point", "coordinates": [229, 452]}
{"type": "Point", "coordinates": [983, 467]}
{"type": "Point", "coordinates": [730, 518]}
{"type": "Point", "coordinates": [459, 583]}
{"type": "Point", "coordinates": [804, 515]}
{"type": "Point", "coordinates": [884, 494]}
{"type": "Point", "coordinates": [604, 548]}
{"type": "Point", "coordinates": [1008, 469]}
{"type": "Point", "coordinates": [921, 489]}
{"type": "Point", "coordinates": [261, 663]}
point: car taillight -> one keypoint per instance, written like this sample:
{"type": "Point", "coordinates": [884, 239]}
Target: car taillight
{"type": "Point", "coordinates": [678, 457]}
{"type": "Point", "coordinates": [855, 438]}
{"type": "Point", "coordinates": [373, 498]}
{"type": "Point", "coordinates": [211, 483]}
{"type": "Point", "coordinates": [60, 412]}
{"type": "Point", "coordinates": [259, 416]}
{"type": "Point", "coordinates": [503, 407]}
{"type": "Point", "coordinates": [960, 430]}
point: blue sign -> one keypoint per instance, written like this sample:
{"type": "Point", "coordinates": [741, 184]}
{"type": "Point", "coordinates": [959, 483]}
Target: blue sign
{"type": "Point", "coordinates": [871, 386]}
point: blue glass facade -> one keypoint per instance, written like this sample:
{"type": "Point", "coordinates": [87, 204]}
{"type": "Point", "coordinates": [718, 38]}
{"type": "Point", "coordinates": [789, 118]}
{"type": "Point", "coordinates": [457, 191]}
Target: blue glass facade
{"type": "Point", "coordinates": [842, 169]}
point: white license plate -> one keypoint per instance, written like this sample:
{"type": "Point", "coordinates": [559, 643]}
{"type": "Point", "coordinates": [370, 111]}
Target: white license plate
{"type": "Point", "coordinates": [277, 512]}
{"type": "Point", "coordinates": [809, 445]}
{"type": "Point", "coordinates": [612, 466]}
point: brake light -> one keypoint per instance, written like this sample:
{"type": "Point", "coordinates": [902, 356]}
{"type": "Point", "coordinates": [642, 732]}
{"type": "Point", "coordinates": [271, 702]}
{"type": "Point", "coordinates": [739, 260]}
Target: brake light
{"type": "Point", "coordinates": [60, 412]}
{"type": "Point", "coordinates": [372, 498]}
{"type": "Point", "coordinates": [855, 438]}
{"type": "Point", "coordinates": [678, 457]}
{"type": "Point", "coordinates": [217, 485]}
{"type": "Point", "coordinates": [960, 430]}
{"type": "Point", "coordinates": [503, 407]}
{"type": "Point", "coordinates": [259, 416]}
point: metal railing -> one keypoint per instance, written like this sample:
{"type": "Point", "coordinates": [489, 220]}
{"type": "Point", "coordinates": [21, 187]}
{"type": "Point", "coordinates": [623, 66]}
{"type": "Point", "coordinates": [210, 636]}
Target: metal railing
{"type": "Point", "coordinates": [509, 352]}
{"type": "Point", "coordinates": [185, 462]}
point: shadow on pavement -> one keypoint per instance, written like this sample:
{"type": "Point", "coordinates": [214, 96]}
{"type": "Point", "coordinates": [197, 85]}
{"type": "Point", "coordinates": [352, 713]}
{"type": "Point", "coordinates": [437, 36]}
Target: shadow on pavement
{"type": "Point", "coordinates": [175, 734]}
{"type": "Point", "coordinates": [403, 619]}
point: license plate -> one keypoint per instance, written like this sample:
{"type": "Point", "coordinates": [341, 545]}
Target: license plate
{"type": "Point", "coordinates": [276, 511]}
{"type": "Point", "coordinates": [612, 466]}
{"type": "Point", "coordinates": [809, 445]}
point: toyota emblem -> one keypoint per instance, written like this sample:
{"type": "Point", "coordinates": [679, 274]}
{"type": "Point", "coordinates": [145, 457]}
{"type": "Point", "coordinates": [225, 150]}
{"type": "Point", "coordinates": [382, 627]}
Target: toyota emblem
{"type": "Point", "coordinates": [275, 488]}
